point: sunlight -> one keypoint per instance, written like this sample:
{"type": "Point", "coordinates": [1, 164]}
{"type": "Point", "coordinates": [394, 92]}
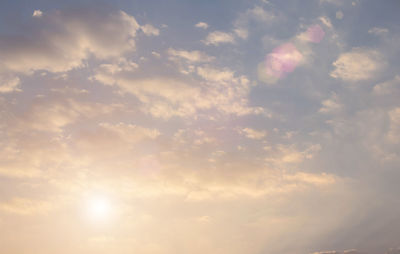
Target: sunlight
{"type": "Point", "coordinates": [99, 208]}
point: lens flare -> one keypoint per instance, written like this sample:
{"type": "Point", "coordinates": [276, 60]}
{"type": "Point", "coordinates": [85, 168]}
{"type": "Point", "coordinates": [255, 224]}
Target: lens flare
{"type": "Point", "coordinates": [315, 33]}
{"type": "Point", "coordinates": [279, 62]}
{"type": "Point", "coordinates": [286, 57]}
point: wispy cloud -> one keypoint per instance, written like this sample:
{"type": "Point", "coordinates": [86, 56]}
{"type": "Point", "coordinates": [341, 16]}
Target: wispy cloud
{"type": "Point", "coordinates": [218, 37]}
{"type": "Point", "coordinates": [202, 25]}
{"type": "Point", "coordinates": [190, 56]}
{"type": "Point", "coordinates": [358, 64]}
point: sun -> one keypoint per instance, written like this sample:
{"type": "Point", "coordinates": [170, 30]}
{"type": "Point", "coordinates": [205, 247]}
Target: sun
{"type": "Point", "coordinates": [99, 208]}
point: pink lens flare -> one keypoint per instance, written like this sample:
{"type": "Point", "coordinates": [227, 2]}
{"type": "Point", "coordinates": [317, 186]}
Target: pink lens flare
{"type": "Point", "coordinates": [282, 60]}
{"type": "Point", "coordinates": [287, 57]}
{"type": "Point", "coordinates": [315, 33]}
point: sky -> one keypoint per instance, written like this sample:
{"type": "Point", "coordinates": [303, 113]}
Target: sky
{"type": "Point", "coordinates": [175, 127]}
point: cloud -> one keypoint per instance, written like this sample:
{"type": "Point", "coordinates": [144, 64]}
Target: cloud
{"type": "Point", "coordinates": [156, 54]}
{"type": "Point", "coordinates": [165, 97]}
{"type": "Point", "coordinates": [23, 206]}
{"type": "Point", "coordinates": [314, 34]}
{"type": "Point", "coordinates": [129, 132]}
{"type": "Point", "coordinates": [326, 21]}
{"type": "Point", "coordinates": [378, 31]}
{"type": "Point", "coordinates": [53, 115]}
{"type": "Point", "coordinates": [173, 158]}
{"type": "Point", "coordinates": [327, 252]}
{"type": "Point", "coordinates": [338, 252]}
{"type": "Point", "coordinates": [241, 32]}
{"type": "Point", "coordinates": [334, 2]}
{"type": "Point", "coordinates": [150, 30]}
{"type": "Point", "coordinates": [357, 65]}
{"type": "Point", "coordinates": [178, 174]}
{"type": "Point", "coordinates": [37, 13]}
{"type": "Point", "coordinates": [321, 179]}
{"type": "Point", "coordinates": [268, 184]}
{"type": "Point", "coordinates": [254, 134]}
{"type": "Point", "coordinates": [62, 40]}
{"type": "Point", "coordinates": [242, 24]}
{"type": "Point", "coordinates": [162, 97]}
{"type": "Point", "coordinates": [215, 75]}
{"type": "Point", "coordinates": [282, 60]}
{"type": "Point", "coordinates": [387, 87]}
{"type": "Point", "coordinates": [393, 135]}
{"type": "Point", "coordinates": [31, 137]}
{"type": "Point", "coordinates": [393, 251]}
{"type": "Point", "coordinates": [112, 141]}
{"type": "Point", "coordinates": [195, 137]}
{"type": "Point", "coordinates": [105, 73]}
{"type": "Point", "coordinates": [339, 15]}
{"type": "Point", "coordinates": [331, 105]}
{"type": "Point", "coordinates": [352, 251]}
{"type": "Point", "coordinates": [190, 56]}
{"type": "Point", "coordinates": [260, 14]}
{"type": "Point", "coordinates": [218, 37]}
{"type": "Point", "coordinates": [282, 155]}
{"type": "Point", "coordinates": [202, 25]}
{"type": "Point", "coordinates": [9, 85]}
{"type": "Point", "coordinates": [69, 90]}
{"type": "Point", "coordinates": [286, 57]}
{"type": "Point", "coordinates": [256, 14]}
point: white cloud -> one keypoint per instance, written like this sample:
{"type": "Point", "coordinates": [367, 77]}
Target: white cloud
{"type": "Point", "coordinates": [69, 90]}
{"type": "Point", "coordinates": [256, 14]}
{"type": "Point", "coordinates": [156, 54]}
{"type": "Point", "coordinates": [150, 30]}
{"type": "Point", "coordinates": [196, 137]}
{"type": "Point", "coordinates": [129, 132]}
{"type": "Point", "coordinates": [62, 40]}
{"type": "Point", "coordinates": [37, 13]}
{"type": "Point", "coordinates": [281, 61]}
{"type": "Point", "coordinates": [387, 87]}
{"type": "Point", "coordinates": [27, 153]}
{"type": "Point", "coordinates": [378, 31]}
{"type": "Point", "coordinates": [260, 14]}
{"type": "Point", "coordinates": [202, 25]}
{"type": "Point", "coordinates": [241, 33]}
{"type": "Point", "coordinates": [254, 134]}
{"type": "Point", "coordinates": [190, 56]}
{"type": "Point", "coordinates": [105, 72]}
{"type": "Point", "coordinates": [281, 155]}
{"type": "Point", "coordinates": [167, 97]}
{"type": "Point", "coordinates": [339, 15]}
{"type": "Point", "coordinates": [326, 21]}
{"type": "Point", "coordinates": [357, 65]}
{"type": "Point", "coordinates": [219, 37]}
{"type": "Point", "coordinates": [24, 206]}
{"type": "Point", "coordinates": [9, 85]}
{"type": "Point", "coordinates": [290, 55]}
{"type": "Point", "coordinates": [53, 115]}
{"type": "Point", "coordinates": [314, 179]}
{"type": "Point", "coordinates": [331, 105]}
{"type": "Point", "coordinates": [215, 75]}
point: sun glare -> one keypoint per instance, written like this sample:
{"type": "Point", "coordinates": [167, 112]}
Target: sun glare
{"type": "Point", "coordinates": [98, 208]}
